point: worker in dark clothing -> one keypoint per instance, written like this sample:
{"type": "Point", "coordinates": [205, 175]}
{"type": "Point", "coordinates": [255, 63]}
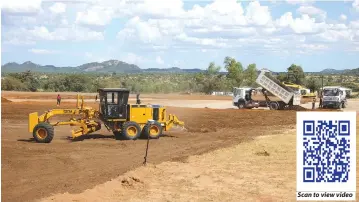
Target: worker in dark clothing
{"type": "Point", "coordinates": [138, 101]}
{"type": "Point", "coordinates": [246, 97]}
{"type": "Point", "coordinates": [320, 102]}
{"type": "Point", "coordinates": [58, 100]}
{"type": "Point", "coordinates": [250, 94]}
{"type": "Point", "coordinates": [313, 103]}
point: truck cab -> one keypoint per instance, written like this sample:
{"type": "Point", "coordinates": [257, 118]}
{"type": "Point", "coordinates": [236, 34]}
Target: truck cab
{"type": "Point", "coordinates": [334, 97]}
{"type": "Point", "coordinates": [242, 98]}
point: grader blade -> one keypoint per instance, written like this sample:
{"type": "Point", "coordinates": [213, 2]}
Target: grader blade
{"type": "Point", "coordinates": [174, 123]}
{"type": "Point", "coordinates": [86, 129]}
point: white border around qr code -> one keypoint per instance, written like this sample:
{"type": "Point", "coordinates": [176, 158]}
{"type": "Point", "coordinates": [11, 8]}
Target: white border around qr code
{"type": "Point", "coordinates": [349, 186]}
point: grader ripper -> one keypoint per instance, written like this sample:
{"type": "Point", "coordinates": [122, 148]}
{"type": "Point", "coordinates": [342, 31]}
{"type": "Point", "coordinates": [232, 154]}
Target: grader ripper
{"type": "Point", "coordinates": [126, 121]}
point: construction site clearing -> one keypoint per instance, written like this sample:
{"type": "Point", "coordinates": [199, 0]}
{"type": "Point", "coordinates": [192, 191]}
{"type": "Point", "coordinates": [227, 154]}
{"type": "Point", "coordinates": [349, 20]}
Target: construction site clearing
{"type": "Point", "coordinates": [226, 154]}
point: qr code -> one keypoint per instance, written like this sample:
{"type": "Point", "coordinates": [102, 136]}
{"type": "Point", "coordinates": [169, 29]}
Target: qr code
{"type": "Point", "coordinates": [326, 150]}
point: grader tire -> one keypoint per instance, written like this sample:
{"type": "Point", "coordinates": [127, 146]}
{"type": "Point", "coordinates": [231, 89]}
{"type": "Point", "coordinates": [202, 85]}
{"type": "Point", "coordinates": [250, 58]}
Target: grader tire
{"type": "Point", "coordinates": [43, 133]}
{"type": "Point", "coordinates": [130, 130]}
{"type": "Point", "coordinates": [154, 131]}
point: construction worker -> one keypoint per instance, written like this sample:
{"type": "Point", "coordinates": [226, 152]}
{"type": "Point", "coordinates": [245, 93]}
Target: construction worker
{"type": "Point", "coordinates": [313, 103]}
{"type": "Point", "coordinates": [138, 101]}
{"type": "Point", "coordinates": [320, 101]}
{"type": "Point", "coordinates": [250, 95]}
{"type": "Point", "coordinates": [58, 99]}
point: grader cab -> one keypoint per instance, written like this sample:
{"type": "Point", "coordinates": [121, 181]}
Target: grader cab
{"type": "Point", "coordinates": [126, 121]}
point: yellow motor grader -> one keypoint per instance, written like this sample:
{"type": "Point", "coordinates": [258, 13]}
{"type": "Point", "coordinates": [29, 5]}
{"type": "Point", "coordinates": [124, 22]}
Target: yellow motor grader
{"type": "Point", "coordinates": [126, 121]}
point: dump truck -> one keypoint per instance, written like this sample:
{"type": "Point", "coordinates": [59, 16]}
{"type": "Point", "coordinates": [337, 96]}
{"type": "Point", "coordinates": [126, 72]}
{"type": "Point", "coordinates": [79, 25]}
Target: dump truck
{"type": "Point", "coordinates": [289, 99]}
{"type": "Point", "coordinates": [334, 97]}
{"type": "Point", "coordinates": [125, 121]}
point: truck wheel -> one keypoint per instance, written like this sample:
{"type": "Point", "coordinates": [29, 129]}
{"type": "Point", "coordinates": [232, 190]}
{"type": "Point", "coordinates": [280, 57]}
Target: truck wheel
{"type": "Point", "coordinates": [43, 133]}
{"type": "Point", "coordinates": [241, 105]}
{"type": "Point", "coordinates": [153, 131]}
{"type": "Point", "coordinates": [339, 106]}
{"type": "Point", "coordinates": [131, 130]}
{"type": "Point", "coordinates": [344, 106]}
{"type": "Point", "coordinates": [273, 106]}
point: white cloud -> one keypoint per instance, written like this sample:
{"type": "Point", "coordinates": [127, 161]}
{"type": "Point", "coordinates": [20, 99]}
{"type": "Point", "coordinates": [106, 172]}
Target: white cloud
{"type": "Point", "coordinates": [159, 9]}
{"type": "Point", "coordinates": [136, 28]}
{"type": "Point", "coordinates": [354, 24]}
{"type": "Point", "coordinates": [258, 14]}
{"type": "Point", "coordinates": [302, 25]}
{"type": "Point", "coordinates": [95, 16]}
{"type": "Point", "coordinates": [132, 58]}
{"type": "Point", "coordinates": [43, 51]}
{"type": "Point", "coordinates": [58, 8]}
{"type": "Point", "coordinates": [42, 33]}
{"type": "Point", "coordinates": [312, 12]}
{"type": "Point", "coordinates": [21, 7]}
{"type": "Point", "coordinates": [343, 17]}
{"type": "Point", "coordinates": [226, 24]}
{"type": "Point", "coordinates": [313, 47]}
{"type": "Point", "coordinates": [356, 5]}
{"type": "Point", "coordinates": [159, 60]}
{"type": "Point", "coordinates": [22, 36]}
{"type": "Point", "coordinates": [300, 2]}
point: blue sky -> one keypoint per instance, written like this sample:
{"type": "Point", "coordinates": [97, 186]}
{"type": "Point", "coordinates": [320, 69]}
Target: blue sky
{"type": "Point", "coordinates": [187, 34]}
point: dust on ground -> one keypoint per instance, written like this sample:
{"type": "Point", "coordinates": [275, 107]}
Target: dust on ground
{"type": "Point", "coordinates": [259, 170]}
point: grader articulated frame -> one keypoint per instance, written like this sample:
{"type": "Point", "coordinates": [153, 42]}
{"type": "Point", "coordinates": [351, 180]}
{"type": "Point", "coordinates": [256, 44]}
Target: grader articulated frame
{"type": "Point", "coordinates": [126, 121]}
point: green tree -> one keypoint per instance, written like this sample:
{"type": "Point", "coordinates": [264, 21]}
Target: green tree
{"type": "Point", "coordinates": [210, 80]}
{"type": "Point", "coordinates": [235, 70]}
{"type": "Point", "coordinates": [330, 80]}
{"type": "Point", "coordinates": [282, 77]}
{"type": "Point", "coordinates": [251, 75]}
{"type": "Point", "coordinates": [11, 83]}
{"type": "Point", "coordinates": [313, 84]}
{"type": "Point", "coordinates": [296, 74]}
{"type": "Point", "coordinates": [213, 69]}
{"type": "Point", "coordinates": [28, 79]}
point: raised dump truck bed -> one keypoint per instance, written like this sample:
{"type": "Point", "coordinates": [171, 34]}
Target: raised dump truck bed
{"type": "Point", "coordinates": [285, 94]}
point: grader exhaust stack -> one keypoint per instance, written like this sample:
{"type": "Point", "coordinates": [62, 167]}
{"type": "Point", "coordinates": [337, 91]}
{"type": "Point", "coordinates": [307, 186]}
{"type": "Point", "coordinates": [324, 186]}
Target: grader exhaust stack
{"type": "Point", "coordinates": [126, 121]}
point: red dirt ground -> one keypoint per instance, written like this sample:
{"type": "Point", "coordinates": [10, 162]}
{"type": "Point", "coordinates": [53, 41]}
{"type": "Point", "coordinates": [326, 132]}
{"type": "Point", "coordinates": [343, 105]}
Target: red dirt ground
{"type": "Point", "coordinates": [31, 171]}
{"type": "Point", "coordinates": [4, 100]}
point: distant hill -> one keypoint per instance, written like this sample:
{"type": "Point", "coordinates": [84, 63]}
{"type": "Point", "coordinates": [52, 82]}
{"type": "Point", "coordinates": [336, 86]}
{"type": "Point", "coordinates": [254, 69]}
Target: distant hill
{"type": "Point", "coordinates": [109, 66]}
{"type": "Point", "coordinates": [345, 71]}
{"type": "Point", "coordinates": [116, 66]}
{"type": "Point", "coordinates": [332, 71]}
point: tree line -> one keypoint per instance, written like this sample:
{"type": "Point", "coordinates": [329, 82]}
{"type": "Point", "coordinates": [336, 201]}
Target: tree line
{"type": "Point", "coordinates": [204, 82]}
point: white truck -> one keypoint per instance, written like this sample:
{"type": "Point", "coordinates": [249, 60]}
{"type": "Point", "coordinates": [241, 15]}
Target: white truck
{"type": "Point", "coordinates": [241, 100]}
{"type": "Point", "coordinates": [334, 97]}
{"type": "Point", "coordinates": [289, 98]}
